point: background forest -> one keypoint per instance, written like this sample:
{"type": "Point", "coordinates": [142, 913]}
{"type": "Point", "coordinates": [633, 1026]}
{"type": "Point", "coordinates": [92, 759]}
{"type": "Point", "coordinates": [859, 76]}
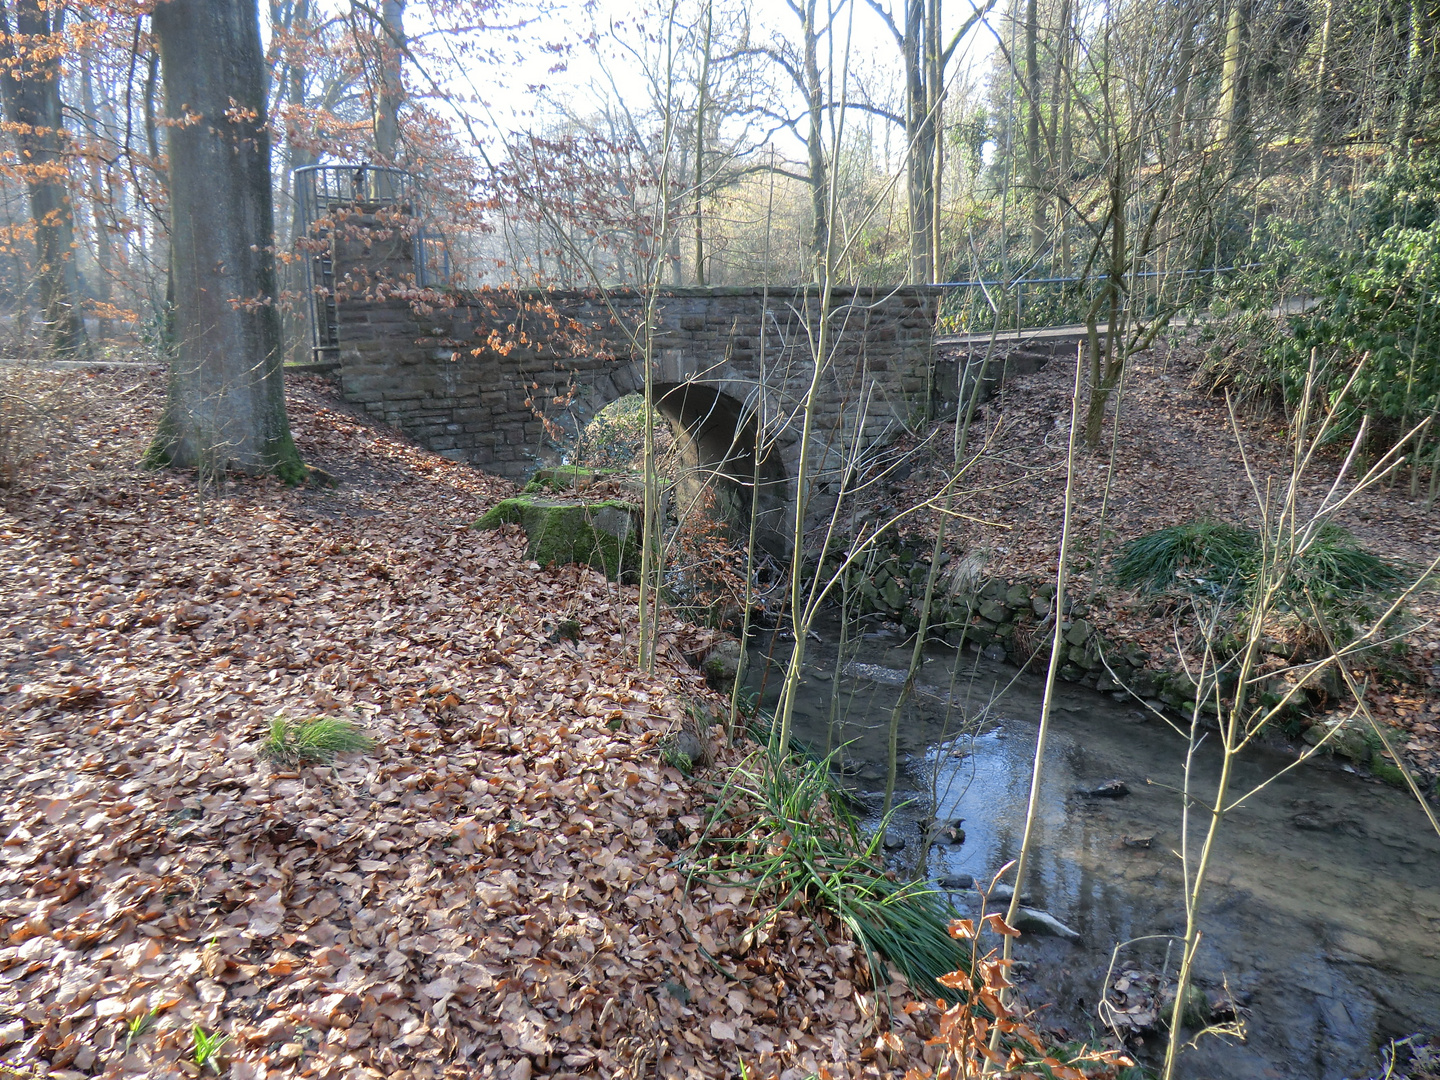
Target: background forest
{"type": "Point", "coordinates": [1115, 163]}
{"type": "Point", "coordinates": [1066, 162]}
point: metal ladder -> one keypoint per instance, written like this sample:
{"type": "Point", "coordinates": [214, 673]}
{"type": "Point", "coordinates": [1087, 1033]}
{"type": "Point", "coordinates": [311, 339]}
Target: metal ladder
{"type": "Point", "coordinates": [327, 315]}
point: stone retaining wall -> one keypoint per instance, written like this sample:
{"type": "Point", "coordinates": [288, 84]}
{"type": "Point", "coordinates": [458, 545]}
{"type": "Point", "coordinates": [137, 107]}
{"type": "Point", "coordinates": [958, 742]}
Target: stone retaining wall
{"type": "Point", "coordinates": [1012, 620]}
{"type": "Point", "coordinates": [1003, 618]}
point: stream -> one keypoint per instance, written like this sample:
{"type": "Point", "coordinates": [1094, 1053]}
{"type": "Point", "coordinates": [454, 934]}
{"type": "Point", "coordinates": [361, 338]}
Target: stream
{"type": "Point", "coordinates": [1322, 913]}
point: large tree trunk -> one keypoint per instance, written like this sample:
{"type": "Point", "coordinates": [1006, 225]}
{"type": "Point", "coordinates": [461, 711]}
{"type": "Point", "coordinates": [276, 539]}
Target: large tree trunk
{"type": "Point", "coordinates": [1033, 163]}
{"type": "Point", "coordinates": [99, 203]}
{"type": "Point", "coordinates": [1234, 91]}
{"type": "Point", "coordinates": [1319, 121]}
{"type": "Point", "coordinates": [917, 134]}
{"type": "Point", "coordinates": [392, 90]}
{"type": "Point", "coordinates": [226, 406]}
{"type": "Point", "coordinates": [1414, 80]}
{"type": "Point", "coordinates": [703, 90]}
{"type": "Point", "coordinates": [31, 90]}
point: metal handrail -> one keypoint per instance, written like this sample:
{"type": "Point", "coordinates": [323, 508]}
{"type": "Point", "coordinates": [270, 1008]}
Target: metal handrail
{"type": "Point", "coordinates": [1090, 277]}
{"type": "Point", "coordinates": [321, 188]}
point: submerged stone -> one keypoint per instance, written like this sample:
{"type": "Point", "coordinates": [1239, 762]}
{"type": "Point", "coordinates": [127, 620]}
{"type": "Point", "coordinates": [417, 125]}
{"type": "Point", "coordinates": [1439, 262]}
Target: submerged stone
{"type": "Point", "coordinates": [1042, 923]}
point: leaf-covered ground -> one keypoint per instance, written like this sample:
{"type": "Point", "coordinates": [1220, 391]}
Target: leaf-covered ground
{"type": "Point", "coordinates": [1176, 459]}
{"type": "Point", "coordinates": [493, 890]}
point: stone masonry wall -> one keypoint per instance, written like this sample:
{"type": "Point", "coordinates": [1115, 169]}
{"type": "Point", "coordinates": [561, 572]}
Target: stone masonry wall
{"type": "Point", "coordinates": [497, 378]}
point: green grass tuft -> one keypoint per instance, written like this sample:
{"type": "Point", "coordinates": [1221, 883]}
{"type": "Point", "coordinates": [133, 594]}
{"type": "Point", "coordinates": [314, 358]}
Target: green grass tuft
{"type": "Point", "coordinates": [1334, 564]}
{"type": "Point", "coordinates": [1223, 561]}
{"type": "Point", "coordinates": [207, 1048]}
{"type": "Point", "coordinates": [314, 740]}
{"type": "Point", "coordinates": [800, 845]}
{"type": "Point", "coordinates": [1213, 555]}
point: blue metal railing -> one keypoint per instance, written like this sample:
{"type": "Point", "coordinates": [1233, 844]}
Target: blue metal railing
{"type": "Point", "coordinates": [1060, 300]}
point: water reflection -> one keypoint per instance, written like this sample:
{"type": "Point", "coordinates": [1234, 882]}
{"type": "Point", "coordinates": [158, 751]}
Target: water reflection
{"type": "Point", "coordinates": [1323, 916]}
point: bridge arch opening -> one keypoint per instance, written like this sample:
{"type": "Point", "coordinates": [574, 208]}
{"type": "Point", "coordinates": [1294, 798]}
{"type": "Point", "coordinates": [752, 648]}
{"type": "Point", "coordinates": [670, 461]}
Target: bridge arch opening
{"type": "Point", "coordinates": [715, 437]}
{"type": "Point", "coordinates": [713, 442]}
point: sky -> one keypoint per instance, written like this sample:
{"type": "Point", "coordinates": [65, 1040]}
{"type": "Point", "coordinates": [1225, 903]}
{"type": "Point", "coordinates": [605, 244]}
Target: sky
{"type": "Point", "coordinates": [596, 64]}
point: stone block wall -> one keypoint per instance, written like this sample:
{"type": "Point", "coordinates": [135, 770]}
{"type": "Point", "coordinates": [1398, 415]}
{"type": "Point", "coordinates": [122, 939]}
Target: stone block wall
{"type": "Point", "coordinates": [498, 378]}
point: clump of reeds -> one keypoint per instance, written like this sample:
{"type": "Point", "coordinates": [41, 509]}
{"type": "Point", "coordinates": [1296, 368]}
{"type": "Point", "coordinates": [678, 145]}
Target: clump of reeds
{"type": "Point", "coordinates": [784, 830]}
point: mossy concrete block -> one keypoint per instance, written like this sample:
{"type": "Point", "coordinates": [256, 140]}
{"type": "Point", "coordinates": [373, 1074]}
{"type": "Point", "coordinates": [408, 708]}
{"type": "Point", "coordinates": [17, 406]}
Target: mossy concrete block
{"type": "Point", "coordinates": [1018, 595]}
{"type": "Point", "coordinates": [601, 534]}
{"type": "Point", "coordinates": [722, 664]}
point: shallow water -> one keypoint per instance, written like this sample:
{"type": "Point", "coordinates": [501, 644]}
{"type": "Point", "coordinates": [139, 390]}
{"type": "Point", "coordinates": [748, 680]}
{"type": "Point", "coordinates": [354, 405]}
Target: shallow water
{"type": "Point", "coordinates": [1322, 916]}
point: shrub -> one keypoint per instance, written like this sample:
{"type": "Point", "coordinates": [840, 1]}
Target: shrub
{"type": "Point", "coordinates": [32, 408]}
{"type": "Point", "coordinates": [1375, 294]}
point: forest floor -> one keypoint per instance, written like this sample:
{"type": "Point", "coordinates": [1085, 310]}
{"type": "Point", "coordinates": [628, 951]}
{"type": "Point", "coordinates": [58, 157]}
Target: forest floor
{"type": "Point", "coordinates": [491, 890]}
{"type": "Point", "coordinates": [1175, 458]}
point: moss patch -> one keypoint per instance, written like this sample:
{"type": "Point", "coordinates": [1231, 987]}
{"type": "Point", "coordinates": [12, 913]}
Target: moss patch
{"type": "Point", "coordinates": [602, 534]}
{"type": "Point", "coordinates": [1387, 771]}
{"type": "Point", "coordinates": [566, 478]}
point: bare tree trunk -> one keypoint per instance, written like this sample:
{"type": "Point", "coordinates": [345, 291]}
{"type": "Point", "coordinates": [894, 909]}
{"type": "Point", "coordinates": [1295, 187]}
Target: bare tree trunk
{"type": "Point", "coordinates": [298, 155]}
{"type": "Point", "coordinates": [704, 89]}
{"type": "Point", "coordinates": [1107, 364]}
{"type": "Point", "coordinates": [1056, 135]}
{"type": "Point", "coordinates": [1184, 72]}
{"type": "Point", "coordinates": [918, 134]}
{"type": "Point", "coordinates": [934, 119]}
{"type": "Point", "coordinates": [1234, 99]}
{"type": "Point", "coordinates": [392, 90]}
{"type": "Point", "coordinates": [226, 403]}
{"type": "Point", "coordinates": [814, 145]}
{"type": "Point", "coordinates": [924, 60]}
{"type": "Point", "coordinates": [1034, 166]}
{"type": "Point", "coordinates": [159, 243]}
{"type": "Point", "coordinates": [31, 91]}
{"type": "Point", "coordinates": [1067, 138]}
{"type": "Point", "coordinates": [99, 202]}
{"type": "Point", "coordinates": [1410, 93]}
{"type": "Point", "coordinates": [1317, 118]}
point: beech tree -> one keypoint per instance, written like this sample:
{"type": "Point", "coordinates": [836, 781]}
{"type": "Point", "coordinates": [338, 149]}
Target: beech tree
{"type": "Point", "coordinates": [30, 54]}
{"type": "Point", "coordinates": [226, 404]}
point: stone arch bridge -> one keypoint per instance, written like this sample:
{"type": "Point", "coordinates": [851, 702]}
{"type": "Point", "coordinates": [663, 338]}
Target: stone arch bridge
{"type": "Point", "coordinates": [502, 379]}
